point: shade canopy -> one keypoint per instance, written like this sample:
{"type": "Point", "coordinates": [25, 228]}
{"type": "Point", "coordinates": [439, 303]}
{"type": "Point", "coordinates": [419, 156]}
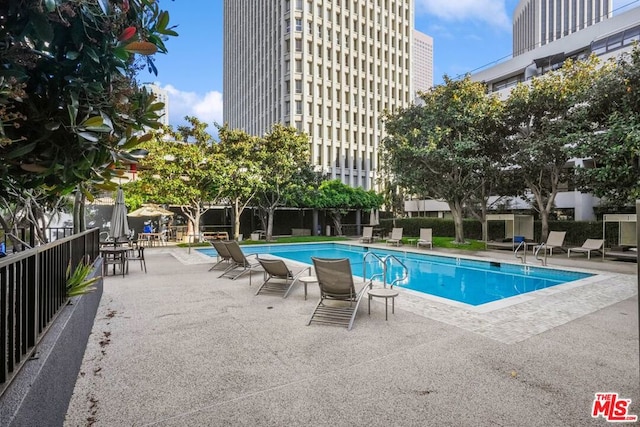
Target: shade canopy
{"type": "Point", "coordinates": [119, 223]}
{"type": "Point", "coordinates": [150, 210]}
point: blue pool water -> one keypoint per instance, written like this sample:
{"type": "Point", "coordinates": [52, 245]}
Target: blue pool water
{"type": "Point", "coordinates": [469, 281]}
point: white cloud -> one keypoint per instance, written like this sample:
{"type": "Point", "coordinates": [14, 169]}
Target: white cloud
{"type": "Point", "coordinates": [206, 107]}
{"type": "Point", "coordinates": [491, 12]}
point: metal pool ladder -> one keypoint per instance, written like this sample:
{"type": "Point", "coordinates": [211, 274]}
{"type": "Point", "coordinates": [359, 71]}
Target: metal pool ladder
{"type": "Point", "coordinates": [385, 262]}
{"type": "Point", "coordinates": [523, 257]}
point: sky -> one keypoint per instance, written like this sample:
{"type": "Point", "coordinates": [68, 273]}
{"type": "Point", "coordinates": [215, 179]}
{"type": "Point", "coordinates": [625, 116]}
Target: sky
{"type": "Point", "coordinates": [468, 35]}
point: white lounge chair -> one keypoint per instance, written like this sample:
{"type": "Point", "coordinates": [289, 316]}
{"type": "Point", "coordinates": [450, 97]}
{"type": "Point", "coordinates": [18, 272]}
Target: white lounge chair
{"type": "Point", "coordinates": [367, 235]}
{"type": "Point", "coordinates": [590, 245]}
{"type": "Point", "coordinates": [339, 298]}
{"type": "Point", "coordinates": [239, 261]}
{"type": "Point", "coordinates": [396, 237]}
{"type": "Point", "coordinates": [555, 240]}
{"type": "Point", "coordinates": [426, 238]}
{"type": "Point", "coordinates": [279, 278]}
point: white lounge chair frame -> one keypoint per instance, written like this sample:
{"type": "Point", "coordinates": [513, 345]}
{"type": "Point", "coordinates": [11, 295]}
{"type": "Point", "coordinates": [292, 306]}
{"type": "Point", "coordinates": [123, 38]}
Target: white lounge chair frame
{"type": "Point", "coordinates": [396, 237]}
{"type": "Point", "coordinates": [336, 284]}
{"type": "Point", "coordinates": [279, 278]}
{"type": "Point", "coordinates": [426, 238]}
{"type": "Point", "coordinates": [555, 240]}
{"type": "Point", "coordinates": [239, 261]}
{"type": "Point", "coordinates": [590, 245]}
{"type": "Point", "coordinates": [367, 235]}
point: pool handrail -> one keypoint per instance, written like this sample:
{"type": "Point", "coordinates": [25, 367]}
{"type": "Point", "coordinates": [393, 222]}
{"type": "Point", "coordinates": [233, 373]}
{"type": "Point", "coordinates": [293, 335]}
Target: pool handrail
{"type": "Point", "coordinates": [522, 258]}
{"type": "Point", "coordinates": [405, 270]}
{"type": "Point", "coordinates": [536, 252]}
{"type": "Point", "coordinates": [364, 268]}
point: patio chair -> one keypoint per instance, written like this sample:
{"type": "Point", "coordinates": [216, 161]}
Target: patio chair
{"type": "Point", "coordinates": [336, 290]}
{"type": "Point", "coordinates": [239, 261]}
{"type": "Point", "coordinates": [590, 245]}
{"type": "Point", "coordinates": [555, 240]}
{"type": "Point", "coordinates": [279, 278]}
{"type": "Point", "coordinates": [137, 254]}
{"type": "Point", "coordinates": [426, 238]}
{"type": "Point", "coordinates": [222, 253]}
{"type": "Point", "coordinates": [396, 237]}
{"type": "Point", "coordinates": [367, 235]}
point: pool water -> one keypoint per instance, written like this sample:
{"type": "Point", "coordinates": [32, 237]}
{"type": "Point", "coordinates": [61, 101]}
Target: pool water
{"type": "Point", "coordinates": [468, 281]}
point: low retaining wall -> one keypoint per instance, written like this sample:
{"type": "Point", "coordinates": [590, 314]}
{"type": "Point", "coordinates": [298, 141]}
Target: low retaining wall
{"type": "Point", "coordinates": [40, 393]}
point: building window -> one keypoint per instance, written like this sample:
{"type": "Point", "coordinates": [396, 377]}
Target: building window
{"type": "Point", "coordinates": [298, 25]}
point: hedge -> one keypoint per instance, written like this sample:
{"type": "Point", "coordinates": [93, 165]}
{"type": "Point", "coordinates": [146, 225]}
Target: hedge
{"type": "Point", "coordinates": [577, 231]}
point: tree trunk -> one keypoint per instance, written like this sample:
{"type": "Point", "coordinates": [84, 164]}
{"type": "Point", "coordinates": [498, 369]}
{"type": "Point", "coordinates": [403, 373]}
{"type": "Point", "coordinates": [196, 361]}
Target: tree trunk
{"type": "Point", "coordinates": [337, 222]}
{"type": "Point", "coordinates": [236, 219]}
{"type": "Point", "coordinates": [544, 220]}
{"type": "Point", "coordinates": [270, 215]}
{"type": "Point", "coordinates": [456, 212]}
{"type": "Point", "coordinates": [196, 222]}
{"type": "Point", "coordinates": [76, 211]}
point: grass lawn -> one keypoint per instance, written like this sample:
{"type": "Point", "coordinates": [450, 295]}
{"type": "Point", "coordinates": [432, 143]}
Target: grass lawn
{"type": "Point", "coordinates": [438, 242]}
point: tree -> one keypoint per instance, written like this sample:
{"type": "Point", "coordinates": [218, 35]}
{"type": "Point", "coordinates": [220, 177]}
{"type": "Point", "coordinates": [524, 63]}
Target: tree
{"type": "Point", "coordinates": [338, 198]}
{"type": "Point", "coordinates": [70, 106]}
{"type": "Point", "coordinates": [548, 118]}
{"type": "Point", "coordinates": [614, 144]}
{"type": "Point", "coordinates": [240, 154]}
{"type": "Point", "coordinates": [284, 153]}
{"type": "Point", "coordinates": [189, 175]}
{"type": "Point", "coordinates": [437, 149]}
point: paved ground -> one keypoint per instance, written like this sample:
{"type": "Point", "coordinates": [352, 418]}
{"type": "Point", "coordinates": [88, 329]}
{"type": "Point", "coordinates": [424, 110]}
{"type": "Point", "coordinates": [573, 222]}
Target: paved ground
{"type": "Point", "coordinates": [179, 347]}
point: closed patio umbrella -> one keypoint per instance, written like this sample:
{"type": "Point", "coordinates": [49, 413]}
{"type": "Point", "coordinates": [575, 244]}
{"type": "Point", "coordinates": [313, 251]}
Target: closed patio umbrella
{"type": "Point", "coordinates": [119, 222]}
{"type": "Point", "coordinates": [373, 217]}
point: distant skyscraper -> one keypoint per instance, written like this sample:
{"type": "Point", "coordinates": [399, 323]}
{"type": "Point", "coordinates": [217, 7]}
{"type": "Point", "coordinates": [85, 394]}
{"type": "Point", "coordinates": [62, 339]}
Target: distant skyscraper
{"type": "Point", "coordinates": [422, 62]}
{"type": "Point", "coordinates": [328, 68]}
{"type": "Point", "coordinates": [161, 96]}
{"type": "Point", "coordinates": [538, 22]}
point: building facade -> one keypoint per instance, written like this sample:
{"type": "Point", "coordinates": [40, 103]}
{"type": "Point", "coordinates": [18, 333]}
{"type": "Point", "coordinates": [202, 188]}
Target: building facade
{"type": "Point", "coordinates": [328, 68]}
{"type": "Point", "coordinates": [539, 22]}
{"type": "Point", "coordinates": [607, 39]}
{"type": "Point", "coordinates": [422, 62]}
{"type": "Point", "coordinates": [161, 96]}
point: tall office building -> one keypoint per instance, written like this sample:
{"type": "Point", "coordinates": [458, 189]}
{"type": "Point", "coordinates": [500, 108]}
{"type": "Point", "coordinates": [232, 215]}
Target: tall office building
{"type": "Point", "coordinates": [538, 22]}
{"type": "Point", "coordinates": [161, 96]}
{"type": "Point", "coordinates": [328, 68]}
{"type": "Point", "coordinates": [422, 62]}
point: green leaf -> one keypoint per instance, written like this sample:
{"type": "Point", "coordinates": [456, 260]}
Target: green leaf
{"type": "Point", "coordinates": [163, 20]}
{"type": "Point", "coordinates": [168, 33]}
{"type": "Point", "coordinates": [120, 53]}
{"type": "Point", "coordinates": [21, 150]}
{"type": "Point", "coordinates": [91, 53]}
{"type": "Point", "coordinates": [94, 121]}
{"type": "Point", "coordinates": [89, 136]}
{"type": "Point", "coordinates": [72, 55]}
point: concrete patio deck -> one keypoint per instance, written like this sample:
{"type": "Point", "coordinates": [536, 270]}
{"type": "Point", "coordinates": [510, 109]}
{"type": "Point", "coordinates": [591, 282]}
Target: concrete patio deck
{"type": "Point", "coordinates": [179, 347]}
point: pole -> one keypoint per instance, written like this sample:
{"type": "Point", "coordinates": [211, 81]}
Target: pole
{"type": "Point", "coordinates": [638, 272]}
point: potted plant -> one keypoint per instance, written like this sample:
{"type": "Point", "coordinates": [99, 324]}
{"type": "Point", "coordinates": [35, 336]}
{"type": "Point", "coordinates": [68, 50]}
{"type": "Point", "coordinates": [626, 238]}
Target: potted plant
{"type": "Point", "coordinates": [79, 282]}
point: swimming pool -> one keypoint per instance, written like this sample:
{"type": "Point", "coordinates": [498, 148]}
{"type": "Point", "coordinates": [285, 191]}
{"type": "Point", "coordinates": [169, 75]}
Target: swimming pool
{"type": "Point", "coordinates": [473, 282]}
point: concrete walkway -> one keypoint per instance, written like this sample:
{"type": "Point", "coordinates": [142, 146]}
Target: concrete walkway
{"type": "Point", "coordinates": [180, 347]}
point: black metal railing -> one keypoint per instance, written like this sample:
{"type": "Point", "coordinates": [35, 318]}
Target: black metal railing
{"type": "Point", "coordinates": [32, 292]}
